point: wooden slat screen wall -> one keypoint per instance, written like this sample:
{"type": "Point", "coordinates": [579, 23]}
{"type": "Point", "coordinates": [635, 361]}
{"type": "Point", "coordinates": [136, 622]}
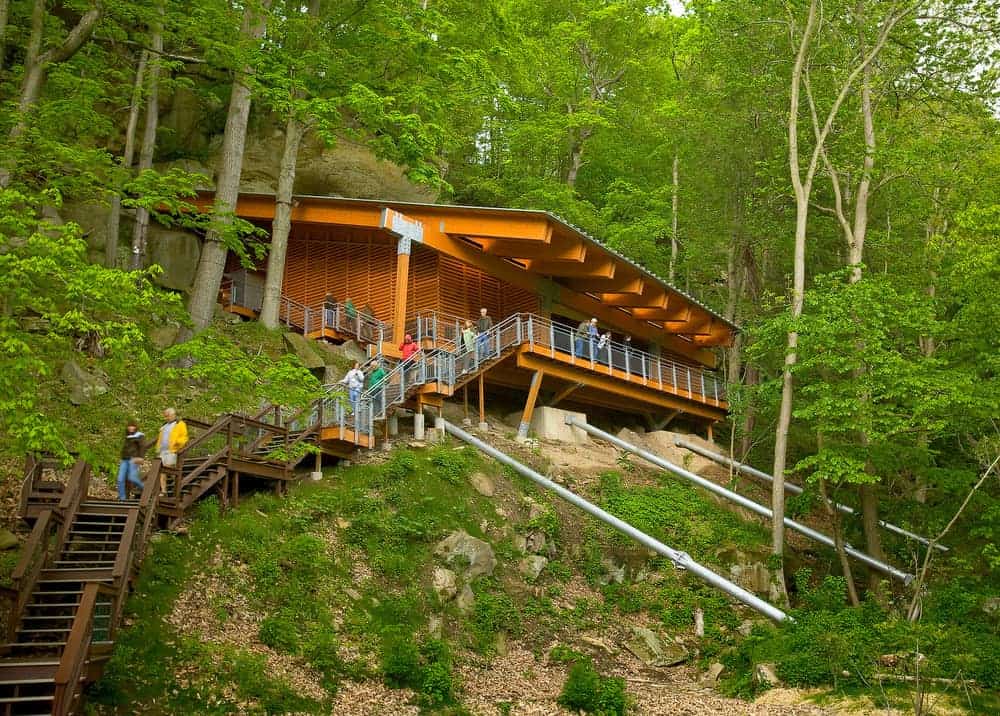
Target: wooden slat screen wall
{"type": "Point", "coordinates": [465, 289]}
{"type": "Point", "coordinates": [362, 266]}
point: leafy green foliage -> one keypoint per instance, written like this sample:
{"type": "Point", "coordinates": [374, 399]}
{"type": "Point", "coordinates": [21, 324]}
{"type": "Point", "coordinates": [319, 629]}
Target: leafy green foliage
{"type": "Point", "coordinates": [586, 690]}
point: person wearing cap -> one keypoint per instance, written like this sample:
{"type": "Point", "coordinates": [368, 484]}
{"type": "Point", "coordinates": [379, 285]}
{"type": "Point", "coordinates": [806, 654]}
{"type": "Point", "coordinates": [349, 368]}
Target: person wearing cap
{"type": "Point", "coordinates": [483, 325]}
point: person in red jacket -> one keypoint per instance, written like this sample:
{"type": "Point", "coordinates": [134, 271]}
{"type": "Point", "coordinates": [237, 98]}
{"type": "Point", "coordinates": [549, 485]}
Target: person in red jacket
{"type": "Point", "coordinates": [408, 347]}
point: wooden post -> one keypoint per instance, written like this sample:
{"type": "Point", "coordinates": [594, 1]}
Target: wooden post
{"type": "Point", "coordinates": [402, 283]}
{"type": "Point", "coordinates": [482, 403]}
{"type": "Point", "coordinates": [236, 490]}
{"type": "Point", "coordinates": [529, 404]}
{"type": "Point", "coordinates": [465, 399]}
{"type": "Point", "coordinates": [710, 432]}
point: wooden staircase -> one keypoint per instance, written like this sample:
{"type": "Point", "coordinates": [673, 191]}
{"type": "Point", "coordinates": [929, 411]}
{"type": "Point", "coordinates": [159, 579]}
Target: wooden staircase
{"type": "Point", "coordinates": [83, 554]}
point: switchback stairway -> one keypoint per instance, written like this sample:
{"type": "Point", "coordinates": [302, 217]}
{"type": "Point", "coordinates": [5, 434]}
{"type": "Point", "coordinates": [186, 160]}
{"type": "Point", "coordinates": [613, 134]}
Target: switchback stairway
{"type": "Point", "coordinates": [83, 553]}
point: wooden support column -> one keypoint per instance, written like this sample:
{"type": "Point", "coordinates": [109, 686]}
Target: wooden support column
{"type": "Point", "coordinates": [710, 432]}
{"type": "Point", "coordinates": [529, 404]}
{"type": "Point", "coordinates": [408, 230]}
{"type": "Point", "coordinates": [482, 402]}
{"type": "Point", "coordinates": [465, 399]}
{"type": "Point", "coordinates": [402, 282]}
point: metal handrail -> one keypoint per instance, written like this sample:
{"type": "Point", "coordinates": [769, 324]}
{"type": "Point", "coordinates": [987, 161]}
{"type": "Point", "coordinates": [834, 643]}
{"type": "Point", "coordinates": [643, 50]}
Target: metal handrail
{"type": "Point", "coordinates": [614, 355]}
{"type": "Point", "coordinates": [449, 363]}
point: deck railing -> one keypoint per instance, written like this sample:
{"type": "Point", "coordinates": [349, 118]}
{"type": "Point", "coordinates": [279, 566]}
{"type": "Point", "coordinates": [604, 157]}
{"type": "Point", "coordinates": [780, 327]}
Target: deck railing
{"type": "Point", "coordinates": [450, 365]}
{"type": "Point", "coordinates": [337, 317]}
{"type": "Point", "coordinates": [615, 358]}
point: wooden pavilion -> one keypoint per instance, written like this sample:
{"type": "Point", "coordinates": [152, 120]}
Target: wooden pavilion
{"type": "Point", "coordinates": [414, 267]}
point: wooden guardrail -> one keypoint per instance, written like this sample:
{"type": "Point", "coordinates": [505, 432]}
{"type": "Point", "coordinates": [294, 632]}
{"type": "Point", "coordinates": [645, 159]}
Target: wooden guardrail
{"type": "Point", "coordinates": [68, 686]}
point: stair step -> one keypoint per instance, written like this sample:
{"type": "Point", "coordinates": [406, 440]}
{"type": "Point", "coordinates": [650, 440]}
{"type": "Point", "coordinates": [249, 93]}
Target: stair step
{"type": "Point", "coordinates": [56, 592]}
{"type": "Point", "coordinates": [25, 699]}
{"type": "Point", "coordinates": [49, 605]}
{"type": "Point", "coordinates": [33, 630]}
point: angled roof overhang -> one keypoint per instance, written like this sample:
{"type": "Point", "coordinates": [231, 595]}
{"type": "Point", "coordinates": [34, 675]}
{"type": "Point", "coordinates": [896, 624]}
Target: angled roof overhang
{"type": "Point", "coordinates": [524, 246]}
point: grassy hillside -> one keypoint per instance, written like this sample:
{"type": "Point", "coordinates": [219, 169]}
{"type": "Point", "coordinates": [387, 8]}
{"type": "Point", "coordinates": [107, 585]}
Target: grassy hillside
{"type": "Point", "coordinates": [284, 603]}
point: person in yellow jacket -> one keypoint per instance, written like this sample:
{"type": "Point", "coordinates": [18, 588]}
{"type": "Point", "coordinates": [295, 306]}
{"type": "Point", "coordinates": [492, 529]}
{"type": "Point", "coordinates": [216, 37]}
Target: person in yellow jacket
{"type": "Point", "coordinates": [172, 438]}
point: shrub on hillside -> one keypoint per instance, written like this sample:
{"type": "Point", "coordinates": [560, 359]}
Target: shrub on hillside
{"type": "Point", "coordinates": [400, 466]}
{"type": "Point", "coordinates": [588, 691]}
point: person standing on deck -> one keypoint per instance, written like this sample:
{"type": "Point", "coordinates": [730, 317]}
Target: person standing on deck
{"type": "Point", "coordinates": [131, 455]}
{"type": "Point", "coordinates": [468, 343]}
{"type": "Point", "coordinates": [586, 331]}
{"type": "Point", "coordinates": [604, 347]}
{"type": "Point", "coordinates": [329, 311]}
{"type": "Point", "coordinates": [484, 325]}
{"type": "Point", "coordinates": [355, 382]}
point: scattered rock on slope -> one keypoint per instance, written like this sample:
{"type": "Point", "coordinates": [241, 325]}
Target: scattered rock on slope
{"type": "Point", "coordinates": [462, 548]}
{"type": "Point", "coordinates": [83, 386]}
{"type": "Point", "coordinates": [646, 646]}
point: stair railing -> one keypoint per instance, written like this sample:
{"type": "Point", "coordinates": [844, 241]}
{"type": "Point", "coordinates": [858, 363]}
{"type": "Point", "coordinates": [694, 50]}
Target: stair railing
{"type": "Point", "coordinates": [445, 365]}
{"type": "Point", "coordinates": [74, 656]}
{"type": "Point", "coordinates": [74, 493]}
{"type": "Point", "coordinates": [37, 552]}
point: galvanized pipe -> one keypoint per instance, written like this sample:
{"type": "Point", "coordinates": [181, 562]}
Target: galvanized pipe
{"type": "Point", "coordinates": [795, 489]}
{"type": "Point", "coordinates": [680, 559]}
{"type": "Point", "coordinates": [739, 499]}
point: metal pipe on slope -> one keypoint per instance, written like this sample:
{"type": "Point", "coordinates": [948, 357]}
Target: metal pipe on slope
{"type": "Point", "coordinates": [680, 559]}
{"type": "Point", "coordinates": [739, 499]}
{"type": "Point", "coordinates": [754, 472]}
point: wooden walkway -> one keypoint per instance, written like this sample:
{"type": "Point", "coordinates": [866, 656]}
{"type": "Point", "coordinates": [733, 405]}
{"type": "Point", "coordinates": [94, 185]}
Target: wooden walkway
{"type": "Point", "coordinates": [83, 554]}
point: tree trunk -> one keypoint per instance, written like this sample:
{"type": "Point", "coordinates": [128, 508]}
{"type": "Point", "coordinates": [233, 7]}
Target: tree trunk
{"type": "Point", "coordinates": [213, 254]}
{"type": "Point", "coordinates": [294, 130]}
{"type": "Point", "coordinates": [802, 190]}
{"type": "Point", "coordinates": [4, 9]}
{"type": "Point", "coordinates": [114, 217]}
{"type": "Point", "coordinates": [576, 156]}
{"type": "Point", "coordinates": [148, 149]}
{"type": "Point", "coordinates": [838, 543]}
{"type": "Point", "coordinates": [674, 201]}
{"type": "Point", "coordinates": [36, 65]}
{"type": "Point", "coordinates": [282, 224]}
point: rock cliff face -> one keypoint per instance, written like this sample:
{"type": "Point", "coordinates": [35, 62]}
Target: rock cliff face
{"type": "Point", "coordinates": [192, 137]}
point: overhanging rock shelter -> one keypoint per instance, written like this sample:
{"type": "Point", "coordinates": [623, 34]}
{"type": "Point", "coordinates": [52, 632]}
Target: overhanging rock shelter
{"type": "Point", "coordinates": [373, 271]}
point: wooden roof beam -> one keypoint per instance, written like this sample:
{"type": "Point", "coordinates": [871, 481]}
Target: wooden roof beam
{"type": "Point", "coordinates": [524, 227]}
{"type": "Point", "coordinates": [651, 297]}
{"type": "Point", "coordinates": [720, 334]}
{"type": "Point", "coordinates": [599, 268]}
{"type": "Point", "coordinates": [700, 324]}
{"type": "Point", "coordinates": [527, 250]}
{"type": "Point", "coordinates": [619, 285]}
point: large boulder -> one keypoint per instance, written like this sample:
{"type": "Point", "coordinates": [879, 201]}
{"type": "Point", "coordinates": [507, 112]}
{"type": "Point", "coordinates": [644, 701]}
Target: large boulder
{"type": "Point", "coordinates": [177, 252]}
{"type": "Point", "coordinates": [345, 169]}
{"type": "Point", "coordinates": [445, 583]}
{"type": "Point", "coordinates": [164, 336]}
{"type": "Point", "coordinates": [92, 217]}
{"type": "Point", "coordinates": [303, 349]}
{"type": "Point", "coordinates": [483, 484]}
{"type": "Point", "coordinates": [350, 351]}
{"type": "Point", "coordinates": [83, 386]}
{"type": "Point", "coordinates": [473, 555]}
{"type": "Point", "coordinates": [648, 648]}
{"type": "Point", "coordinates": [531, 566]}
{"type": "Point", "coordinates": [749, 570]}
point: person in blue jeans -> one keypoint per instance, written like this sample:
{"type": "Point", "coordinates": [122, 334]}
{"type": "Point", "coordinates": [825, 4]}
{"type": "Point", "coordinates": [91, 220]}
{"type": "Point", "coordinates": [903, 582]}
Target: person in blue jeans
{"type": "Point", "coordinates": [355, 381]}
{"type": "Point", "coordinates": [586, 335]}
{"type": "Point", "coordinates": [133, 449]}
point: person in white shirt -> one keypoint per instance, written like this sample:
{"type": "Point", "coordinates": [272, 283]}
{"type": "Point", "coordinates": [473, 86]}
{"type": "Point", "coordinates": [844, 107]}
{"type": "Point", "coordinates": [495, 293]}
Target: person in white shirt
{"type": "Point", "coordinates": [355, 382]}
